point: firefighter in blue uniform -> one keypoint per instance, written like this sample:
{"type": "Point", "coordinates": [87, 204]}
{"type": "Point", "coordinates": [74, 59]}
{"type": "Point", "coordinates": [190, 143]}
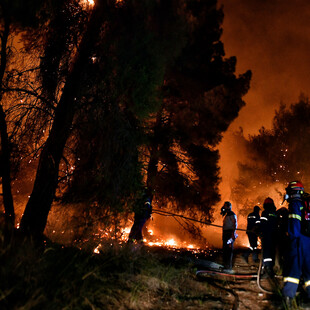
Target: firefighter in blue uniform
{"type": "Point", "coordinates": [297, 263]}
{"type": "Point", "coordinates": [143, 212]}
{"type": "Point", "coordinates": [229, 234]}
{"type": "Point", "coordinates": [252, 220]}
{"type": "Point", "coordinates": [268, 230]}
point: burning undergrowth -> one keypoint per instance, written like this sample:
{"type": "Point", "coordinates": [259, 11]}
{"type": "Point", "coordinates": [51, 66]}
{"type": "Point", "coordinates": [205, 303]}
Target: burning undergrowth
{"type": "Point", "coordinates": [75, 225]}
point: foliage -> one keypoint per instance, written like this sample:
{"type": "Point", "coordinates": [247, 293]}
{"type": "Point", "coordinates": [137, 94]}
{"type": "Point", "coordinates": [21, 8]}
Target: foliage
{"type": "Point", "coordinates": [15, 17]}
{"type": "Point", "coordinates": [276, 156]}
{"type": "Point", "coordinates": [201, 97]}
{"type": "Point", "coordinates": [126, 74]}
{"type": "Point", "coordinates": [119, 88]}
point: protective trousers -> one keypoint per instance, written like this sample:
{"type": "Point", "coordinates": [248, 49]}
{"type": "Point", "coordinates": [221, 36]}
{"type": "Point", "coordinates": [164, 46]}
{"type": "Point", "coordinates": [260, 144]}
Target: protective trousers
{"type": "Point", "coordinates": [269, 246]}
{"type": "Point", "coordinates": [228, 246]}
{"type": "Point", "coordinates": [253, 246]}
{"type": "Point", "coordinates": [136, 230]}
{"type": "Point", "coordinates": [297, 264]}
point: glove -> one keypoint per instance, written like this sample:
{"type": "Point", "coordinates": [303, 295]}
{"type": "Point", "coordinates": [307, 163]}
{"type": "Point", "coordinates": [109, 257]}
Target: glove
{"type": "Point", "coordinates": [230, 241]}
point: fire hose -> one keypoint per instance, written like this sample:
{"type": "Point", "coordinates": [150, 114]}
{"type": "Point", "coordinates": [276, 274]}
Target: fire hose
{"type": "Point", "coordinates": [166, 213]}
{"type": "Point", "coordinates": [259, 278]}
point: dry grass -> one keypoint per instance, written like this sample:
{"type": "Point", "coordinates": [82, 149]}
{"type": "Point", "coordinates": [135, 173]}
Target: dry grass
{"type": "Point", "coordinates": [56, 277]}
{"type": "Point", "coordinates": [120, 277]}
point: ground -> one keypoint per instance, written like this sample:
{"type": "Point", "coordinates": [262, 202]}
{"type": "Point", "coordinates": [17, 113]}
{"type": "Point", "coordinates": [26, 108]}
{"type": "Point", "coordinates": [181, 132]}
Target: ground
{"type": "Point", "coordinates": [128, 276]}
{"type": "Point", "coordinates": [244, 294]}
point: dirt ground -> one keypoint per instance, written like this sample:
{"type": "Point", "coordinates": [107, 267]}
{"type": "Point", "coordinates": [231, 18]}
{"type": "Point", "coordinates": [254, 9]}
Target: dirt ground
{"type": "Point", "coordinates": [244, 294]}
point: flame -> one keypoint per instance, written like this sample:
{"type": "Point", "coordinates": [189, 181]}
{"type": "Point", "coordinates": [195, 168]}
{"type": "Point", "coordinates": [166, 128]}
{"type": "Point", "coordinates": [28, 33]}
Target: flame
{"type": "Point", "coordinates": [91, 3]}
{"type": "Point", "coordinates": [96, 249]}
{"type": "Point", "coordinates": [153, 240]}
{"type": "Point", "coordinates": [171, 242]}
{"type": "Point", "coordinates": [87, 3]}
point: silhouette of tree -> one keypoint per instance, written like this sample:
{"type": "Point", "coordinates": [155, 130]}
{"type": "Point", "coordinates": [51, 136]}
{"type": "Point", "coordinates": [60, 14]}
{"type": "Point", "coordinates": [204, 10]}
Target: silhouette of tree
{"type": "Point", "coordinates": [46, 181]}
{"type": "Point", "coordinates": [122, 87]}
{"type": "Point", "coordinates": [201, 97]}
{"type": "Point", "coordinates": [15, 17]}
{"type": "Point", "coordinates": [197, 95]}
{"type": "Point", "coordinates": [276, 156]}
{"type": "Point", "coordinates": [142, 40]}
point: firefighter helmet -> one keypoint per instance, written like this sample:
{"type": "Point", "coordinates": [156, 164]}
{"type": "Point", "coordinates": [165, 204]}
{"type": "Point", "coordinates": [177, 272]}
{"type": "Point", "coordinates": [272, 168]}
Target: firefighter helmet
{"type": "Point", "coordinates": [295, 186]}
{"type": "Point", "coordinates": [227, 205]}
{"type": "Point", "coordinates": [269, 204]}
{"type": "Point", "coordinates": [268, 200]}
{"type": "Point", "coordinates": [256, 209]}
{"type": "Point", "coordinates": [294, 190]}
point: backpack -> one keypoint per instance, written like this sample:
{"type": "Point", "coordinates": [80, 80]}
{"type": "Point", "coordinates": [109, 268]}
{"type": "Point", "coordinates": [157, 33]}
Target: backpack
{"type": "Point", "coordinates": [305, 218]}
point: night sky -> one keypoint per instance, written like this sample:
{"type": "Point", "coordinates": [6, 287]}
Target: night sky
{"type": "Point", "coordinates": [271, 38]}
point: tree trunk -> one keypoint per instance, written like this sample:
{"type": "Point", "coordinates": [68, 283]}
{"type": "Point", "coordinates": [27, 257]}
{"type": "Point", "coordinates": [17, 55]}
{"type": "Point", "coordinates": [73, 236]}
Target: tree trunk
{"type": "Point", "coordinates": [6, 172]}
{"type": "Point", "coordinates": [152, 169]}
{"type": "Point", "coordinates": [37, 209]}
{"type": "Point", "coordinates": [5, 149]}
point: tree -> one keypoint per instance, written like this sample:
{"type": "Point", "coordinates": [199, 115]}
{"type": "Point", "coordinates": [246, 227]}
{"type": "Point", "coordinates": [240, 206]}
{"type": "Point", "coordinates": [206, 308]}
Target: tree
{"type": "Point", "coordinates": [14, 17]}
{"type": "Point", "coordinates": [133, 56]}
{"type": "Point", "coordinates": [150, 75]}
{"type": "Point", "coordinates": [46, 181]}
{"type": "Point", "coordinates": [201, 97]}
{"type": "Point", "coordinates": [198, 96]}
{"type": "Point", "coordinates": [101, 54]}
{"type": "Point", "coordinates": [276, 156]}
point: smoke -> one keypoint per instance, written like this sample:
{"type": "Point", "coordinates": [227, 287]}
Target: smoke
{"type": "Point", "coordinates": [271, 39]}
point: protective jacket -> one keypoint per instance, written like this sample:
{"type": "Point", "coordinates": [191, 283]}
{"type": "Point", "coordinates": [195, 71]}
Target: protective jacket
{"type": "Point", "coordinates": [268, 230]}
{"type": "Point", "coordinates": [282, 235]}
{"type": "Point", "coordinates": [298, 260]}
{"type": "Point", "coordinates": [229, 235]}
{"type": "Point", "coordinates": [142, 214]}
{"type": "Point", "coordinates": [144, 210]}
{"type": "Point", "coordinates": [230, 221]}
{"type": "Point", "coordinates": [252, 220]}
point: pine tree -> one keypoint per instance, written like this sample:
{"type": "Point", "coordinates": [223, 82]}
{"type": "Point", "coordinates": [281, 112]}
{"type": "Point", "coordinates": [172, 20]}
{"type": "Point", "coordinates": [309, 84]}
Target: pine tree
{"type": "Point", "coordinates": [15, 17]}
{"type": "Point", "coordinates": [201, 97]}
{"type": "Point", "coordinates": [276, 156]}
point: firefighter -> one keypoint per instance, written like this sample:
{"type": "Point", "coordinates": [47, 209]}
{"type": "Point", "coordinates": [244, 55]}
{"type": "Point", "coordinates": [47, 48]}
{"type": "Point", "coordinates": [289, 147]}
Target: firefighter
{"type": "Point", "coordinates": [297, 262]}
{"type": "Point", "coordinates": [229, 234]}
{"type": "Point", "coordinates": [252, 220]}
{"type": "Point", "coordinates": [143, 212]}
{"type": "Point", "coordinates": [268, 231]}
{"type": "Point", "coordinates": [282, 236]}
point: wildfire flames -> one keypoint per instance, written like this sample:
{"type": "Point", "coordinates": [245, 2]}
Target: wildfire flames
{"type": "Point", "coordinates": [91, 3]}
{"type": "Point", "coordinates": [155, 237]}
{"type": "Point", "coordinates": [169, 242]}
{"type": "Point", "coordinates": [160, 231]}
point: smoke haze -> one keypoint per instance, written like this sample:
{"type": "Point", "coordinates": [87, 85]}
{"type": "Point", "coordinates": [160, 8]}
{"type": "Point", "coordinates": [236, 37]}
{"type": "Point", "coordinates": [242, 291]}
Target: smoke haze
{"type": "Point", "coordinates": [271, 39]}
